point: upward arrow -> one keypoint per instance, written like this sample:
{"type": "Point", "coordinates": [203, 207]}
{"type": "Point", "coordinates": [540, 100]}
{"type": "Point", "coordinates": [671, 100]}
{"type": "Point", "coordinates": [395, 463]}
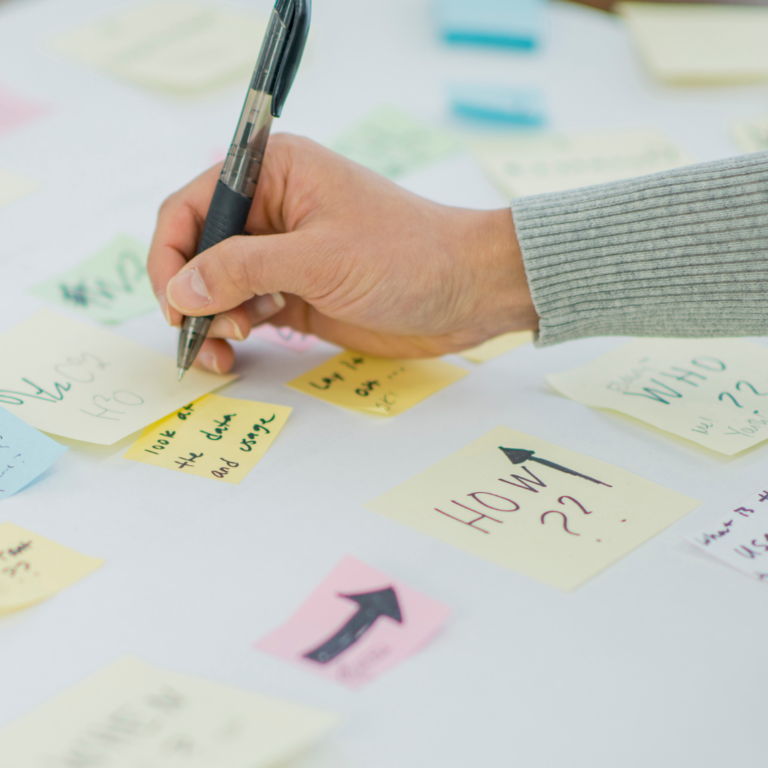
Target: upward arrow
{"type": "Point", "coordinates": [519, 455]}
{"type": "Point", "coordinates": [383, 602]}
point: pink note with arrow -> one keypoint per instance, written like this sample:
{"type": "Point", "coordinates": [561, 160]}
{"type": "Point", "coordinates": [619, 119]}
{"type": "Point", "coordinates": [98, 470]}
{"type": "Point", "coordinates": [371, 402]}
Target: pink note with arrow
{"type": "Point", "coordinates": [285, 337]}
{"type": "Point", "coordinates": [15, 111]}
{"type": "Point", "coordinates": [356, 625]}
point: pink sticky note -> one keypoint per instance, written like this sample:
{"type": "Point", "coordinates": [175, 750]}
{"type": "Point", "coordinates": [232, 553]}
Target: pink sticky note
{"type": "Point", "coordinates": [15, 111]}
{"type": "Point", "coordinates": [356, 625]}
{"type": "Point", "coordinates": [286, 337]}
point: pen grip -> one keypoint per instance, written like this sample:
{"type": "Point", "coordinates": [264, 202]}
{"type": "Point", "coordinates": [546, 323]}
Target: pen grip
{"type": "Point", "coordinates": [226, 216]}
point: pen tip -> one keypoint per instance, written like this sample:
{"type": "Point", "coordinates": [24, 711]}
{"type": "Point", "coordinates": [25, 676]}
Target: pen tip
{"type": "Point", "coordinates": [181, 373]}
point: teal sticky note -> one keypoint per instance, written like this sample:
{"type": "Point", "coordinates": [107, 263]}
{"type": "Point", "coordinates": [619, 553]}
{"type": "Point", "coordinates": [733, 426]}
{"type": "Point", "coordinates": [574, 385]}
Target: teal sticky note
{"type": "Point", "coordinates": [25, 453]}
{"type": "Point", "coordinates": [507, 23]}
{"type": "Point", "coordinates": [111, 286]}
{"type": "Point", "coordinates": [522, 107]}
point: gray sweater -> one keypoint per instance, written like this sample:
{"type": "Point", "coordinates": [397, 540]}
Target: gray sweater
{"type": "Point", "coordinates": [679, 253]}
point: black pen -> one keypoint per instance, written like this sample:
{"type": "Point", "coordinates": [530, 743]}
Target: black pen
{"type": "Point", "coordinates": [273, 76]}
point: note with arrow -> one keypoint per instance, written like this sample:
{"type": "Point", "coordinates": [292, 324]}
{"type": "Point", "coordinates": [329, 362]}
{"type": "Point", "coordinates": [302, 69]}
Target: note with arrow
{"type": "Point", "coordinates": [531, 506]}
{"type": "Point", "coordinates": [356, 625]}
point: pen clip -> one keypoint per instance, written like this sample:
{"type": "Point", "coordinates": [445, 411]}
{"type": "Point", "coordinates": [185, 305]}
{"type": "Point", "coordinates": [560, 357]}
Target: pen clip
{"type": "Point", "coordinates": [292, 53]}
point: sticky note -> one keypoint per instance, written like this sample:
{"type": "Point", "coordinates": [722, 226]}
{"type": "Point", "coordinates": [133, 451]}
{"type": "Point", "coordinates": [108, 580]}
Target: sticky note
{"type": "Point", "coordinates": [13, 187]}
{"type": "Point", "coordinates": [739, 537]}
{"type": "Point", "coordinates": [699, 44]}
{"type": "Point", "coordinates": [509, 23]}
{"type": "Point", "coordinates": [16, 111]}
{"type": "Point", "coordinates": [711, 391]}
{"type": "Point", "coordinates": [751, 135]}
{"type": "Point", "coordinates": [285, 337]}
{"type": "Point", "coordinates": [134, 714]}
{"type": "Point", "coordinates": [111, 286]}
{"type": "Point", "coordinates": [171, 45]}
{"type": "Point", "coordinates": [553, 514]}
{"type": "Point", "coordinates": [523, 107]}
{"type": "Point", "coordinates": [73, 380]}
{"type": "Point", "coordinates": [392, 143]}
{"type": "Point", "coordinates": [25, 453]}
{"type": "Point", "coordinates": [222, 438]}
{"type": "Point", "coordinates": [356, 625]}
{"type": "Point", "coordinates": [497, 347]}
{"type": "Point", "coordinates": [375, 384]}
{"type": "Point", "coordinates": [33, 568]}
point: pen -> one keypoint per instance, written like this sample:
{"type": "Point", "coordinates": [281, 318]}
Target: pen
{"type": "Point", "coordinates": [273, 76]}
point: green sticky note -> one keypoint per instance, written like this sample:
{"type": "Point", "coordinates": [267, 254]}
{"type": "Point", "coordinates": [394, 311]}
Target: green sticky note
{"type": "Point", "coordinates": [392, 143]}
{"type": "Point", "coordinates": [112, 286]}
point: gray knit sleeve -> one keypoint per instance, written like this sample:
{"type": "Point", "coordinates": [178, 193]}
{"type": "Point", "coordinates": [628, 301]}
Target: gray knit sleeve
{"type": "Point", "coordinates": [679, 253]}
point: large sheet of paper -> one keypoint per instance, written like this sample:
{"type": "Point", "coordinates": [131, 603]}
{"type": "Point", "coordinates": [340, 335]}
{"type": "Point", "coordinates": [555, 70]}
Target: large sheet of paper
{"type": "Point", "coordinates": [13, 187]}
{"type": "Point", "coordinates": [700, 44]}
{"type": "Point", "coordinates": [73, 380]}
{"type": "Point", "coordinates": [710, 391]}
{"type": "Point", "coordinates": [170, 45]}
{"type": "Point", "coordinates": [751, 135]}
{"type": "Point", "coordinates": [533, 507]}
{"type": "Point", "coordinates": [134, 715]}
{"type": "Point", "coordinates": [531, 166]}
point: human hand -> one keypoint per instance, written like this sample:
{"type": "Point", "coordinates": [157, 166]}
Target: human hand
{"type": "Point", "coordinates": [343, 253]}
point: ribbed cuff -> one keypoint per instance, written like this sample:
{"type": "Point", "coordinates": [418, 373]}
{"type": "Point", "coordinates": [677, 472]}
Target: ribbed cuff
{"type": "Point", "coordinates": [680, 253]}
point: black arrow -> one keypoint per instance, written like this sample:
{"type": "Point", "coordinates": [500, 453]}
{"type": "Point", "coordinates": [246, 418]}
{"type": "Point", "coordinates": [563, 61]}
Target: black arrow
{"type": "Point", "coordinates": [519, 455]}
{"type": "Point", "coordinates": [383, 602]}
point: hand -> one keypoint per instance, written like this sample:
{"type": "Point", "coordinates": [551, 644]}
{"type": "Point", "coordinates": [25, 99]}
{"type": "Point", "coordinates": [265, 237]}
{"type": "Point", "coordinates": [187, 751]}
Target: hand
{"type": "Point", "coordinates": [345, 254]}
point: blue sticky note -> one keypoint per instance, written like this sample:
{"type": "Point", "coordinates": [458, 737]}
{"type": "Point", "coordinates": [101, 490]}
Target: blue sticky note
{"type": "Point", "coordinates": [508, 23]}
{"type": "Point", "coordinates": [499, 103]}
{"type": "Point", "coordinates": [25, 453]}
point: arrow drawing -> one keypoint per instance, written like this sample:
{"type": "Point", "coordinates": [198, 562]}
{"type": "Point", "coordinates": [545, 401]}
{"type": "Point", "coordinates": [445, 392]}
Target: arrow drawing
{"type": "Point", "coordinates": [383, 602]}
{"type": "Point", "coordinates": [519, 455]}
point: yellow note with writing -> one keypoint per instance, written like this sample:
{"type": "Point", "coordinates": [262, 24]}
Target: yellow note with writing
{"type": "Point", "coordinates": [218, 437]}
{"type": "Point", "coordinates": [32, 568]}
{"type": "Point", "coordinates": [497, 347]}
{"type": "Point", "coordinates": [533, 507]}
{"type": "Point", "coordinates": [376, 384]}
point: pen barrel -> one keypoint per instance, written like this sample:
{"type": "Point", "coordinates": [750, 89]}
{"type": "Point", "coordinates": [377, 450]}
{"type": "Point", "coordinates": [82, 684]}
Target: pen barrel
{"type": "Point", "coordinates": [226, 216]}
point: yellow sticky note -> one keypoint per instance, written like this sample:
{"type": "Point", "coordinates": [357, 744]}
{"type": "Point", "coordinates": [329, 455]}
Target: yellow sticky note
{"type": "Point", "coordinates": [13, 186]}
{"type": "Point", "coordinates": [133, 714]}
{"type": "Point", "coordinates": [375, 384]}
{"type": "Point", "coordinates": [751, 135]}
{"type": "Point", "coordinates": [711, 391]}
{"type": "Point", "coordinates": [533, 507]}
{"type": "Point", "coordinates": [70, 379]}
{"type": "Point", "coordinates": [498, 346]}
{"type": "Point", "coordinates": [218, 437]}
{"type": "Point", "coordinates": [700, 44]}
{"type": "Point", "coordinates": [32, 568]}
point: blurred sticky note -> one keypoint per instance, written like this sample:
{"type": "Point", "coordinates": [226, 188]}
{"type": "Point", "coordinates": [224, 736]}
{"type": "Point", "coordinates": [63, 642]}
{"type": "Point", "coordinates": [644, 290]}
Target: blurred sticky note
{"type": "Point", "coordinates": [25, 453]}
{"type": "Point", "coordinates": [375, 384]}
{"type": "Point", "coordinates": [132, 714]}
{"type": "Point", "coordinates": [511, 106]}
{"type": "Point", "coordinates": [170, 45]}
{"type": "Point", "coordinates": [553, 514]}
{"type": "Point", "coordinates": [532, 165]}
{"type": "Point", "coordinates": [73, 380]}
{"type": "Point", "coordinates": [392, 143]}
{"type": "Point", "coordinates": [222, 438]}
{"type": "Point", "coordinates": [13, 186]}
{"type": "Point", "coordinates": [16, 111]}
{"type": "Point", "coordinates": [32, 568]}
{"type": "Point", "coordinates": [700, 44]}
{"type": "Point", "coordinates": [710, 391]}
{"type": "Point", "coordinates": [112, 286]}
{"type": "Point", "coordinates": [508, 23]}
{"type": "Point", "coordinates": [356, 625]}
{"type": "Point", "coordinates": [751, 135]}
{"type": "Point", "coordinates": [285, 337]}
{"type": "Point", "coordinates": [498, 346]}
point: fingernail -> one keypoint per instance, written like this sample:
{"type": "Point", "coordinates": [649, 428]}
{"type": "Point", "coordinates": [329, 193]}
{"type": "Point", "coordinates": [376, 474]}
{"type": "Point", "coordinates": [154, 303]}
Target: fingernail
{"type": "Point", "coordinates": [187, 291]}
{"type": "Point", "coordinates": [224, 327]}
{"type": "Point", "coordinates": [163, 302]}
{"type": "Point", "coordinates": [208, 360]}
{"type": "Point", "coordinates": [264, 306]}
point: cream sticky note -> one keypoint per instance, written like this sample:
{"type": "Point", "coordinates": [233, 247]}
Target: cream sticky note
{"type": "Point", "coordinates": [392, 143]}
{"type": "Point", "coordinates": [700, 44]}
{"type": "Point", "coordinates": [533, 507]}
{"type": "Point", "coordinates": [710, 391]}
{"type": "Point", "coordinates": [170, 45]}
{"type": "Point", "coordinates": [218, 437]}
{"type": "Point", "coordinates": [13, 187]}
{"type": "Point", "coordinates": [73, 380]}
{"type": "Point", "coordinates": [751, 135]}
{"type": "Point", "coordinates": [112, 286]}
{"type": "Point", "coordinates": [375, 384]}
{"type": "Point", "coordinates": [32, 568]}
{"type": "Point", "coordinates": [531, 166]}
{"type": "Point", "coordinates": [132, 714]}
{"type": "Point", "coordinates": [498, 346]}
